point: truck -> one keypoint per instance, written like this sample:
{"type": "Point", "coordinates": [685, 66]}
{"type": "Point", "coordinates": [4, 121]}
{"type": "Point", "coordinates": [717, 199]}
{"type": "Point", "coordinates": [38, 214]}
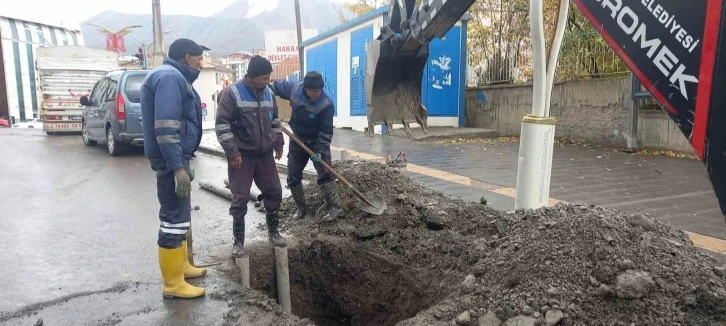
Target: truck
{"type": "Point", "coordinates": [66, 73]}
{"type": "Point", "coordinates": [675, 48]}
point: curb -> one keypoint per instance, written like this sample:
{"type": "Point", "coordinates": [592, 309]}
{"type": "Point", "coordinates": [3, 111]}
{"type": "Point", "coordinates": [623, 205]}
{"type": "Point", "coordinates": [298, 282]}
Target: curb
{"type": "Point", "coordinates": [281, 168]}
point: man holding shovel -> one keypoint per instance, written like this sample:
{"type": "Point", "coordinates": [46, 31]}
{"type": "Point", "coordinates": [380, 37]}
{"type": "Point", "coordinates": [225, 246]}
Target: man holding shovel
{"type": "Point", "coordinates": [312, 122]}
{"type": "Point", "coordinates": [248, 128]}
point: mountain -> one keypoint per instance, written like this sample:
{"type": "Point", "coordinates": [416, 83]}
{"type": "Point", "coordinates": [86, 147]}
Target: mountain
{"type": "Point", "coordinates": [237, 27]}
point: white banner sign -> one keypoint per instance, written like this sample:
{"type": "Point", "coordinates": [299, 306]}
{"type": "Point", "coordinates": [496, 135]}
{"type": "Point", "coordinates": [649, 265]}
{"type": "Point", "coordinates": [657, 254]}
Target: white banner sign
{"type": "Point", "coordinates": [282, 44]}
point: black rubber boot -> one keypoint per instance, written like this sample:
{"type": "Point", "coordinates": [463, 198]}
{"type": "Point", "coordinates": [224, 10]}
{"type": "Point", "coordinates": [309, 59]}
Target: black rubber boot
{"type": "Point", "coordinates": [298, 194]}
{"type": "Point", "coordinates": [333, 199]}
{"type": "Point", "coordinates": [238, 230]}
{"type": "Point", "coordinates": [273, 231]}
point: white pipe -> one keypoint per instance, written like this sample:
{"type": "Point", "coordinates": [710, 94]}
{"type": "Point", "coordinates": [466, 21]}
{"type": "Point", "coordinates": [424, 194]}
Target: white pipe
{"type": "Point", "coordinates": [536, 25]}
{"type": "Point", "coordinates": [244, 266]}
{"type": "Point", "coordinates": [555, 52]}
{"type": "Point", "coordinates": [283, 279]}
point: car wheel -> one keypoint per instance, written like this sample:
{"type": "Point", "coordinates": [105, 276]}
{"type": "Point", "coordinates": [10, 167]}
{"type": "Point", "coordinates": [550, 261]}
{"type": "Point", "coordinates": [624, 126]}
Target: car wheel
{"type": "Point", "coordinates": [114, 148]}
{"type": "Point", "coordinates": [84, 135]}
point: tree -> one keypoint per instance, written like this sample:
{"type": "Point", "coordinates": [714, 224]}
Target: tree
{"type": "Point", "coordinates": [361, 7]}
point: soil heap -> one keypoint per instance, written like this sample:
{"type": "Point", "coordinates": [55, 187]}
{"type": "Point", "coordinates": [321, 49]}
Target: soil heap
{"type": "Point", "coordinates": [564, 265]}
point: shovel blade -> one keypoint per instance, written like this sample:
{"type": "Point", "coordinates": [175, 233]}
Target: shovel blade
{"type": "Point", "coordinates": [378, 204]}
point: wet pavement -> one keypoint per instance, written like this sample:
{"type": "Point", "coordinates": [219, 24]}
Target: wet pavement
{"type": "Point", "coordinates": [79, 230]}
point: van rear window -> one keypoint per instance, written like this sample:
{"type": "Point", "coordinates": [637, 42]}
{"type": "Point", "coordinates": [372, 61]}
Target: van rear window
{"type": "Point", "coordinates": [133, 88]}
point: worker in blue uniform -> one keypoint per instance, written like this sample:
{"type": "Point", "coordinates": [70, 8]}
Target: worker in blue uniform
{"type": "Point", "coordinates": [171, 114]}
{"type": "Point", "coordinates": [312, 122]}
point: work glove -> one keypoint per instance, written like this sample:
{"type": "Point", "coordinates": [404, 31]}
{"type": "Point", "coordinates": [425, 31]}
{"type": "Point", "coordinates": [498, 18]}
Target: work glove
{"type": "Point", "coordinates": [183, 185]}
{"type": "Point", "coordinates": [190, 171]}
{"type": "Point", "coordinates": [316, 157]}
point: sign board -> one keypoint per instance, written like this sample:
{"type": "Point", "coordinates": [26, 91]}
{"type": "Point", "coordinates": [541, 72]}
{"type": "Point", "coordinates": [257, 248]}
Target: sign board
{"type": "Point", "coordinates": [672, 47]}
{"type": "Point", "coordinates": [282, 44]}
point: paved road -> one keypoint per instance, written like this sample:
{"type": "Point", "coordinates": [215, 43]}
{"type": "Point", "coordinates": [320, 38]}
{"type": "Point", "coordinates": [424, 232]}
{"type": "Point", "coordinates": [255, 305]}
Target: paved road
{"type": "Point", "coordinates": [79, 231]}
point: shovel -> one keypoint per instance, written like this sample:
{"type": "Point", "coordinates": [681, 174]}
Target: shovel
{"type": "Point", "coordinates": [371, 204]}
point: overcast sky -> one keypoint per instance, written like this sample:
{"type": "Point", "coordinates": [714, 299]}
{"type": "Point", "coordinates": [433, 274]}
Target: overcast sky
{"type": "Point", "coordinates": [73, 11]}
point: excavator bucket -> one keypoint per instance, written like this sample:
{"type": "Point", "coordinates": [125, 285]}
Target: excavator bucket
{"type": "Point", "coordinates": [393, 86]}
{"type": "Point", "coordinates": [395, 60]}
{"type": "Point", "coordinates": [677, 49]}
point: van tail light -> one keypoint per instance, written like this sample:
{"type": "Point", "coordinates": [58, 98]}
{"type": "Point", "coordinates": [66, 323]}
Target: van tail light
{"type": "Point", "coordinates": [120, 107]}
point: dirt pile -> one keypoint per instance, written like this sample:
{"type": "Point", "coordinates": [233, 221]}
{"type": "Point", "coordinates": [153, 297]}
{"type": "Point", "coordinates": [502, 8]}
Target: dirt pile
{"type": "Point", "coordinates": [565, 265]}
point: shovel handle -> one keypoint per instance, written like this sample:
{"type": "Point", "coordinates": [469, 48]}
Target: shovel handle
{"type": "Point", "coordinates": [325, 165]}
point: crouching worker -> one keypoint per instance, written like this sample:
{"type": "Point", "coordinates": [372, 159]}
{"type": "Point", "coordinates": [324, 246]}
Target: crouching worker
{"type": "Point", "coordinates": [312, 122]}
{"type": "Point", "coordinates": [248, 129]}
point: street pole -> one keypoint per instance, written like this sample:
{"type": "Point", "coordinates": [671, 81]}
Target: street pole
{"type": "Point", "coordinates": [299, 37]}
{"type": "Point", "coordinates": [534, 168]}
{"type": "Point", "coordinates": [158, 34]}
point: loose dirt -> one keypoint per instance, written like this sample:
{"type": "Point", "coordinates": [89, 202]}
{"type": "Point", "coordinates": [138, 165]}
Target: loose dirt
{"type": "Point", "coordinates": [434, 260]}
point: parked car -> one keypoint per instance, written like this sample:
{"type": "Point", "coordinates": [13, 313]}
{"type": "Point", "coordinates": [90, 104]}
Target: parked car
{"type": "Point", "coordinates": [112, 113]}
{"type": "Point", "coordinates": [4, 123]}
{"type": "Point", "coordinates": [31, 123]}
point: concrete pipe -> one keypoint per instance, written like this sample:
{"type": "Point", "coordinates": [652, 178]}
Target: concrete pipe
{"type": "Point", "coordinates": [283, 279]}
{"type": "Point", "coordinates": [224, 192]}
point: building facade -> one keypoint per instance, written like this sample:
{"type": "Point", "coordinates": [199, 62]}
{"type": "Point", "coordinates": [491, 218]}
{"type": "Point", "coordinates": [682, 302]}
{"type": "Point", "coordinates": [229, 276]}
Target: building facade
{"type": "Point", "coordinates": [340, 55]}
{"type": "Point", "coordinates": [212, 79]}
{"type": "Point", "coordinates": [18, 81]}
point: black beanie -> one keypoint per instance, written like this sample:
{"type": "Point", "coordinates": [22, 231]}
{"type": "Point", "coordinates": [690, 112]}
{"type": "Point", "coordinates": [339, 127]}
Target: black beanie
{"type": "Point", "coordinates": [258, 66]}
{"type": "Point", "coordinates": [181, 47]}
{"type": "Point", "coordinates": [313, 80]}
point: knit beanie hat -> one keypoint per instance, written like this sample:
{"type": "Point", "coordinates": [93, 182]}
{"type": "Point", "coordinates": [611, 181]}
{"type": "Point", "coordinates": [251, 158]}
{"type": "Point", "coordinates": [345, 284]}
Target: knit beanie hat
{"type": "Point", "coordinates": [313, 80]}
{"type": "Point", "coordinates": [181, 47]}
{"type": "Point", "coordinates": [258, 66]}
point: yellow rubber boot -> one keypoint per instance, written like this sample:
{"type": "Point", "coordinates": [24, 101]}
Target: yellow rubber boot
{"type": "Point", "coordinates": [171, 262]}
{"type": "Point", "coordinates": [189, 270]}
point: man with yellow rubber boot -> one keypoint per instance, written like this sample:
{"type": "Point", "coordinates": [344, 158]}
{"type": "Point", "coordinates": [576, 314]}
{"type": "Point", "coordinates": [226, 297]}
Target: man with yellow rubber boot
{"type": "Point", "coordinates": [171, 114]}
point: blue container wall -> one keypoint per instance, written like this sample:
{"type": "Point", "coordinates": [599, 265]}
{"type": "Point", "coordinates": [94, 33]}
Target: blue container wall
{"type": "Point", "coordinates": [324, 59]}
{"type": "Point", "coordinates": [359, 40]}
{"type": "Point", "coordinates": [441, 84]}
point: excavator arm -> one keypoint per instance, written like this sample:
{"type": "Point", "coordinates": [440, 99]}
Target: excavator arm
{"type": "Point", "coordinates": [396, 60]}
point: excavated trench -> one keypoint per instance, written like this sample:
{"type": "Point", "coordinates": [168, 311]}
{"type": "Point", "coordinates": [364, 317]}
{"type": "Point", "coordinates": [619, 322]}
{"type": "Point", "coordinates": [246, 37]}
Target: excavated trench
{"type": "Point", "coordinates": [336, 284]}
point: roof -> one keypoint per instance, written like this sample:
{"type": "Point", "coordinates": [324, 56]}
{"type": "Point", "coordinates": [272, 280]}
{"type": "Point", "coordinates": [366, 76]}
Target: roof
{"type": "Point", "coordinates": [34, 16]}
{"type": "Point", "coordinates": [353, 23]}
{"type": "Point", "coordinates": [215, 67]}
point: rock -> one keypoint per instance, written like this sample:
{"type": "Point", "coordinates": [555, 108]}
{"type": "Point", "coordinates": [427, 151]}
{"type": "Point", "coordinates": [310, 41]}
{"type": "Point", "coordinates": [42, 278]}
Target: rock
{"type": "Point", "coordinates": [196, 208]}
{"type": "Point", "coordinates": [553, 317]}
{"type": "Point", "coordinates": [520, 321]}
{"type": "Point", "coordinates": [550, 224]}
{"type": "Point", "coordinates": [435, 222]}
{"type": "Point", "coordinates": [502, 226]}
{"type": "Point", "coordinates": [369, 233]}
{"type": "Point", "coordinates": [673, 242]}
{"type": "Point", "coordinates": [633, 284]}
{"type": "Point", "coordinates": [594, 281]}
{"type": "Point", "coordinates": [527, 311]}
{"type": "Point", "coordinates": [638, 220]}
{"type": "Point", "coordinates": [490, 319]}
{"type": "Point", "coordinates": [604, 291]}
{"type": "Point", "coordinates": [39, 322]}
{"type": "Point", "coordinates": [537, 314]}
{"type": "Point", "coordinates": [609, 239]}
{"type": "Point", "coordinates": [719, 270]}
{"type": "Point", "coordinates": [468, 286]}
{"type": "Point", "coordinates": [483, 201]}
{"type": "Point", "coordinates": [401, 198]}
{"type": "Point", "coordinates": [464, 318]}
{"type": "Point", "coordinates": [553, 291]}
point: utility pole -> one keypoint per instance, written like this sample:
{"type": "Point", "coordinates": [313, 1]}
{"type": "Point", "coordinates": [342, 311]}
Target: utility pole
{"type": "Point", "coordinates": [159, 54]}
{"type": "Point", "coordinates": [299, 38]}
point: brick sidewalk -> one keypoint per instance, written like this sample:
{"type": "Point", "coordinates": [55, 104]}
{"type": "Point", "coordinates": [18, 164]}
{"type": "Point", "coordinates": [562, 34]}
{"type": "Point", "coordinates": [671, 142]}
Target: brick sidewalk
{"type": "Point", "coordinates": [674, 189]}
